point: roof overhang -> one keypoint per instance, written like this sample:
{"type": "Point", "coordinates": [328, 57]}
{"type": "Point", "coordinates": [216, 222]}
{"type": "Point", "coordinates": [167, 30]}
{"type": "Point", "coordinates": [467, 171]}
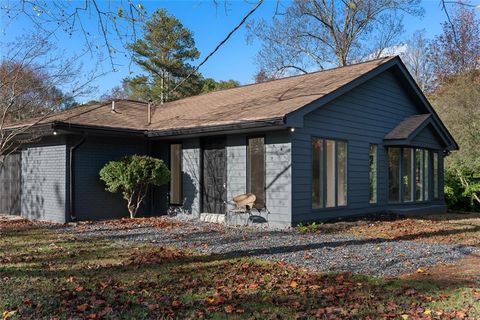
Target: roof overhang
{"type": "Point", "coordinates": [239, 127]}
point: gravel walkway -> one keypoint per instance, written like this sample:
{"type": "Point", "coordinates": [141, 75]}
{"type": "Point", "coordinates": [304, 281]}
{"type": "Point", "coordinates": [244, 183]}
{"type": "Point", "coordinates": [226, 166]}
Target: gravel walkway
{"type": "Point", "coordinates": [320, 252]}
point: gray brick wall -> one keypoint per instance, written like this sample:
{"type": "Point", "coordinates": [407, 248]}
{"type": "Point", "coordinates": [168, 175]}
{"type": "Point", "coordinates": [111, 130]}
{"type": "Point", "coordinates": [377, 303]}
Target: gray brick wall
{"type": "Point", "coordinates": [191, 176]}
{"type": "Point", "coordinates": [278, 173]}
{"type": "Point", "coordinates": [44, 182]}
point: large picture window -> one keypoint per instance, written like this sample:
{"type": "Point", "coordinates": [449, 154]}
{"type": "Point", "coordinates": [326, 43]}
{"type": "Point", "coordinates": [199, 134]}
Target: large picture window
{"type": "Point", "coordinates": [372, 164]}
{"type": "Point", "coordinates": [394, 174]}
{"type": "Point", "coordinates": [256, 169]}
{"type": "Point", "coordinates": [176, 197]}
{"type": "Point", "coordinates": [407, 180]}
{"type": "Point", "coordinates": [329, 173]}
{"type": "Point", "coordinates": [435, 175]}
{"type": "Point", "coordinates": [414, 168]}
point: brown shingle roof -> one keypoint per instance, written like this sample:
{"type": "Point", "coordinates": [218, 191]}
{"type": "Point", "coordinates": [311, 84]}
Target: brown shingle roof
{"type": "Point", "coordinates": [256, 102]}
{"type": "Point", "coordinates": [407, 127]}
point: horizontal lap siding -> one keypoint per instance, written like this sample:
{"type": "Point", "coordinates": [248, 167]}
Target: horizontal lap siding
{"type": "Point", "coordinates": [44, 181]}
{"type": "Point", "coordinates": [92, 201]}
{"type": "Point", "coordinates": [362, 116]}
{"type": "Point", "coordinates": [427, 138]}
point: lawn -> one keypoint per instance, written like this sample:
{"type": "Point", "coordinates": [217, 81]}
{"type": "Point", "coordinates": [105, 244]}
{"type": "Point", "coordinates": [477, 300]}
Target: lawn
{"type": "Point", "coordinates": [47, 274]}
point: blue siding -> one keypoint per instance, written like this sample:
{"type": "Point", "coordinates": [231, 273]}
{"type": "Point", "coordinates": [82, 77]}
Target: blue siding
{"type": "Point", "coordinates": [426, 139]}
{"type": "Point", "coordinates": [362, 116]}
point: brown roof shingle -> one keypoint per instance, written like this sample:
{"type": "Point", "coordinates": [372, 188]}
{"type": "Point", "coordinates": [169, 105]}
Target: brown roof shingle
{"type": "Point", "coordinates": [406, 127]}
{"type": "Point", "coordinates": [256, 102]}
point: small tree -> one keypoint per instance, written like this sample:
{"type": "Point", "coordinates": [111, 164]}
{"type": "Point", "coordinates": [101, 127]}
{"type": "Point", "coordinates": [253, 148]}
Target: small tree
{"type": "Point", "coordinates": [132, 175]}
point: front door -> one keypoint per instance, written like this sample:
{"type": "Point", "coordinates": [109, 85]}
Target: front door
{"type": "Point", "coordinates": [214, 175]}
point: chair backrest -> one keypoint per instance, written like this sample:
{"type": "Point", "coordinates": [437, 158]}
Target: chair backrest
{"type": "Point", "coordinates": [245, 200]}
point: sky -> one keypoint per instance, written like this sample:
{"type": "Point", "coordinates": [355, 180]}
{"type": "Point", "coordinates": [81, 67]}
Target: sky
{"type": "Point", "coordinates": [209, 23]}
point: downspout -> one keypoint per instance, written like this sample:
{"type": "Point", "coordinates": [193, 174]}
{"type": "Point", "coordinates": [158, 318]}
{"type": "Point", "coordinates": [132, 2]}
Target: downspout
{"type": "Point", "coordinates": [72, 177]}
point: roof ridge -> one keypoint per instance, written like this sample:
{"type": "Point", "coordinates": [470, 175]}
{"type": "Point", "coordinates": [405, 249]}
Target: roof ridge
{"type": "Point", "coordinates": [386, 58]}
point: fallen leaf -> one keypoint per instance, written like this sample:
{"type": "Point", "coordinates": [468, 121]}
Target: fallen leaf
{"type": "Point", "coordinates": [229, 308]}
{"type": "Point", "coordinates": [82, 307]}
{"type": "Point", "coordinates": [427, 312]}
{"type": "Point", "coordinates": [404, 316]}
{"type": "Point", "coordinates": [420, 270]}
{"type": "Point", "coordinates": [176, 303]}
{"type": "Point", "coordinates": [293, 284]}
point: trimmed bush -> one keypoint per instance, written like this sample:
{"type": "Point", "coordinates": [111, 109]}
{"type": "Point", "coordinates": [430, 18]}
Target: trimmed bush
{"type": "Point", "coordinates": [132, 175]}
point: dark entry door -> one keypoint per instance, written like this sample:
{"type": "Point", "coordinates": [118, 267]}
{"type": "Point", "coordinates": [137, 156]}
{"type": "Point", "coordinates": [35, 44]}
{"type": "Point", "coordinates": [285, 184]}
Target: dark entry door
{"type": "Point", "coordinates": [10, 184]}
{"type": "Point", "coordinates": [214, 175]}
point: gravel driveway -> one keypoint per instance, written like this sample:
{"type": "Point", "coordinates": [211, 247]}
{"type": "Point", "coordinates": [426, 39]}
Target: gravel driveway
{"type": "Point", "coordinates": [320, 252]}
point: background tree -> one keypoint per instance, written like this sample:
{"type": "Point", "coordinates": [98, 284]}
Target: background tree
{"type": "Point", "coordinates": [456, 51]}
{"type": "Point", "coordinates": [314, 34]}
{"type": "Point", "coordinates": [210, 84]}
{"type": "Point", "coordinates": [132, 176]}
{"type": "Point", "coordinates": [164, 53]}
{"type": "Point", "coordinates": [416, 59]}
{"type": "Point", "coordinates": [30, 80]}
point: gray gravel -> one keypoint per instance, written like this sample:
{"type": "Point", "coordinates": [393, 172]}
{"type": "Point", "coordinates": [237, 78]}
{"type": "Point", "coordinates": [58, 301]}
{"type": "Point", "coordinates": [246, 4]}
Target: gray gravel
{"type": "Point", "coordinates": [320, 252]}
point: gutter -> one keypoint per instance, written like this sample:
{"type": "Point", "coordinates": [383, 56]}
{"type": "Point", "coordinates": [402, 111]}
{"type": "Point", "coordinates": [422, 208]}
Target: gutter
{"type": "Point", "coordinates": [72, 177]}
{"type": "Point", "coordinates": [267, 123]}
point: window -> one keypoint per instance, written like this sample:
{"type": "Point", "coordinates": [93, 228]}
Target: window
{"type": "Point", "coordinates": [435, 175]}
{"type": "Point", "coordinates": [341, 173]}
{"type": "Point", "coordinates": [408, 157]}
{"type": "Point", "coordinates": [426, 180]}
{"type": "Point", "coordinates": [419, 174]}
{"type": "Point", "coordinates": [176, 197]}
{"type": "Point", "coordinates": [373, 172]}
{"type": "Point", "coordinates": [394, 174]}
{"type": "Point", "coordinates": [413, 166]}
{"type": "Point", "coordinates": [329, 173]}
{"type": "Point", "coordinates": [256, 169]}
{"type": "Point", "coordinates": [317, 173]}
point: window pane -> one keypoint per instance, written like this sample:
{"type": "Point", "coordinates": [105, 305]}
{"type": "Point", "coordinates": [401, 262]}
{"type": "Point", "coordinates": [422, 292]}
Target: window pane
{"type": "Point", "coordinates": [341, 173]}
{"type": "Point", "coordinates": [256, 170]}
{"type": "Point", "coordinates": [394, 174]}
{"type": "Point", "coordinates": [407, 174]}
{"type": "Point", "coordinates": [176, 174]}
{"type": "Point", "coordinates": [419, 174]}
{"type": "Point", "coordinates": [330, 171]}
{"type": "Point", "coordinates": [317, 171]}
{"type": "Point", "coordinates": [435, 175]}
{"type": "Point", "coordinates": [426, 165]}
{"type": "Point", "coordinates": [373, 173]}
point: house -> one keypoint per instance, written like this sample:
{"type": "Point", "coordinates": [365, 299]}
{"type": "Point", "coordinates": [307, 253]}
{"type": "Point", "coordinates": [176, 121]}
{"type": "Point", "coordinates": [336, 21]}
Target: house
{"type": "Point", "coordinates": [341, 142]}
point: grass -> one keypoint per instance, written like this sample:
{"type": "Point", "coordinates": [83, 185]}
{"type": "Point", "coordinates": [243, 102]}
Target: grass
{"type": "Point", "coordinates": [45, 274]}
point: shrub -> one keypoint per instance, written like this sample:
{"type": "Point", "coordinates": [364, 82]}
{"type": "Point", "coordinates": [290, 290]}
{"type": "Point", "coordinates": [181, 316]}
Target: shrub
{"type": "Point", "coordinates": [132, 175]}
{"type": "Point", "coordinates": [462, 190]}
{"type": "Point", "coordinates": [308, 228]}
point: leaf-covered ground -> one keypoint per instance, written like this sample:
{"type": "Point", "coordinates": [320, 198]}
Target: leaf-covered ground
{"type": "Point", "coordinates": [46, 274]}
{"type": "Point", "coordinates": [450, 228]}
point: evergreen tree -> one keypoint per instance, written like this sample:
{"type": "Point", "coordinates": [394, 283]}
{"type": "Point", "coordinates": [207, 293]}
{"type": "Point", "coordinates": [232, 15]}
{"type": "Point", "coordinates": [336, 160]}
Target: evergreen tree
{"type": "Point", "coordinates": [164, 53]}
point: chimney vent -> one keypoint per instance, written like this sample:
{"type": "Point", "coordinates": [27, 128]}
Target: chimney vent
{"type": "Point", "coordinates": [113, 105]}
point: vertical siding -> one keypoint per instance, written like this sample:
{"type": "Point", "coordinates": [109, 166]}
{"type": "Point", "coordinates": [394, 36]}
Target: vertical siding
{"type": "Point", "coordinates": [92, 202]}
{"type": "Point", "coordinates": [362, 116]}
{"type": "Point", "coordinates": [44, 182]}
